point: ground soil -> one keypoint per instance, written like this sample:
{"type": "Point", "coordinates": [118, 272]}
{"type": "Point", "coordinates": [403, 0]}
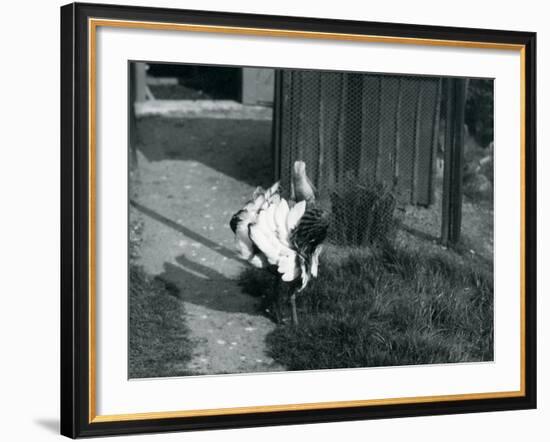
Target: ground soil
{"type": "Point", "coordinates": [423, 225]}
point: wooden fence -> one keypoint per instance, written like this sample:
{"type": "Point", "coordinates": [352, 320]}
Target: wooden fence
{"type": "Point", "coordinates": [373, 128]}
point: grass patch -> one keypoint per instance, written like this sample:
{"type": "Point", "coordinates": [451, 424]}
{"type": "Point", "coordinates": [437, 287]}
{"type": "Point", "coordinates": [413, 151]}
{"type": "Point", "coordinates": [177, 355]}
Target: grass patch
{"type": "Point", "coordinates": [159, 343]}
{"type": "Point", "coordinates": [383, 308]}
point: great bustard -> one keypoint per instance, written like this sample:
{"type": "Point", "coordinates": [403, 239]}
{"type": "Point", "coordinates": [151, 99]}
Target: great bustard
{"type": "Point", "coordinates": [273, 233]}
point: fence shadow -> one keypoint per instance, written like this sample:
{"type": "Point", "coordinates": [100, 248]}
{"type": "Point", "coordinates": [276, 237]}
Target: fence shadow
{"type": "Point", "coordinates": [197, 237]}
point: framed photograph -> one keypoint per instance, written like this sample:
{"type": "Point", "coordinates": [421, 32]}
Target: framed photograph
{"type": "Point", "coordinates": [279, 220]}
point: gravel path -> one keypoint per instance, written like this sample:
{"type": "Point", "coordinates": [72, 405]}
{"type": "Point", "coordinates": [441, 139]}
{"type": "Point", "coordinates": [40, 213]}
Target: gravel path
{"type": "Point", "coordinates": [186, 206]}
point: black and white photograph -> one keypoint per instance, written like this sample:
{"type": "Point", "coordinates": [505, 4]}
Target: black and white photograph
{"type": "Point", "coordinates": [290, 219]}
{"type": "Point", "coordinates": [275, 221]}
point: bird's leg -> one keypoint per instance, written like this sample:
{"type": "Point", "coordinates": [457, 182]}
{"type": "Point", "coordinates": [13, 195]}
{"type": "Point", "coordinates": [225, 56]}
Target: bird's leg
{"type": "Point", "coordinates": [293, 305]}
{"type": "Point", "coordinates": [276, 299]}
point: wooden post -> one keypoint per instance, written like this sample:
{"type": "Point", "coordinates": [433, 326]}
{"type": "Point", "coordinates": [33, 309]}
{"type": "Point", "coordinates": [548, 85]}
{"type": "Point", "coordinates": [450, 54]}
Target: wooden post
{"type": "Point", "coordinates": [447, 157]}
{"type": "Point", "coordinates": [276, 126]}
{"type": "Point", "coordinates": [321, 137]}
{"type": "Point", "coordinates": [454, 160]}
{"type": "Point", "coordinates": [417, 147]}
{"type": "Point", "coordinates": [132, 126]}
{"type": "Point", "coordinates": [342, 120]}
{"type": "Point", "coordinates": [140, 70]}
{"type": "Point", "coordinates": [397, 145]}
{"type": "Point", "coordinates": [435, 139]}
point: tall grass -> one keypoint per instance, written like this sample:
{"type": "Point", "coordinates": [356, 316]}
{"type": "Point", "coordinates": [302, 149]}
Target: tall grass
{"type": "Point", "coordinates": [383, 308]}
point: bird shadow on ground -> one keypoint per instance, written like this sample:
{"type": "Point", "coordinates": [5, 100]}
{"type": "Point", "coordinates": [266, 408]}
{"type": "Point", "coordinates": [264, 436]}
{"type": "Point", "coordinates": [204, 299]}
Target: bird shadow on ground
{"type": "Point", "coordinates": [202, 285]}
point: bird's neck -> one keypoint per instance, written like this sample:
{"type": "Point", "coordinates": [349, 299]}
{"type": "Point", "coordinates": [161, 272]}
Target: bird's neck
{"type": "Point", "coordinates": [303, 189]}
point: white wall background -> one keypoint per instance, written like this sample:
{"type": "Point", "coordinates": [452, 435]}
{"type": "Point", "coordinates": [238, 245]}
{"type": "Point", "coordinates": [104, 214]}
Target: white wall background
{"type": "Point", "coordinates": [29, 220]}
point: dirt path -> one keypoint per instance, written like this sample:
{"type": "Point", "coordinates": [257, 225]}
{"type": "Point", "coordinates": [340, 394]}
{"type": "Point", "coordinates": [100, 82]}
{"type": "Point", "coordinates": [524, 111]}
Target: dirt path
{"type": "Point", "coordinates": [186, 207]}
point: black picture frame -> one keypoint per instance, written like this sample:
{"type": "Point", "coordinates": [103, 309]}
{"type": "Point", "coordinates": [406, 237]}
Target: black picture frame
{"type": "Point", "coordinates": [75, 220]}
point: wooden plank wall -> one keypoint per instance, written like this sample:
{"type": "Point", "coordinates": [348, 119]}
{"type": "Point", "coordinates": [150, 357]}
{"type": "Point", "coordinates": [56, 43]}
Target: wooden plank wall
{"type": "Point", "coordinates": [375, 128]}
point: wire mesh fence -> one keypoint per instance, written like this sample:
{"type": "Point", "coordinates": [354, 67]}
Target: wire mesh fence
{"type": "Point", "coordinates": [370, 145]}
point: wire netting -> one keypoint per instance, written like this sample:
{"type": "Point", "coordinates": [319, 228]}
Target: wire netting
{"type": "Point", "coordinates": [370, 146]}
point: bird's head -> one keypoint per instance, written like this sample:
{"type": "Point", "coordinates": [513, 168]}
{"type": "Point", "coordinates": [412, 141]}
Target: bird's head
{"type": "Point", "coordinates": [303, 188]}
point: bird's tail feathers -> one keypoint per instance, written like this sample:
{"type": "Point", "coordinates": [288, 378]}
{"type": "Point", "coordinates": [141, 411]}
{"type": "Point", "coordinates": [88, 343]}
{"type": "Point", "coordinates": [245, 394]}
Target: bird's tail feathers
{"type": "Point", "coordinates": [281, 214]}
{"type": "Point", "coordinates": [263, 231]}
{"type": "Point", "coordinates": [264, 239]}
{"type": "Point", "coordinates": [257, 192]}
{"type": "Point", "coordinates": [274, 189]}
{"type": "Point", "coordinates": [287, 267]}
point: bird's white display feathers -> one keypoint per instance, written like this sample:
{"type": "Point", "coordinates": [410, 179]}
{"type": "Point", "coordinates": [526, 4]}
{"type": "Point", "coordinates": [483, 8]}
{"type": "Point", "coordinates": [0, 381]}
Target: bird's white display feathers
{"type": "Point", "coordinates": [271, 232]}
{"type": "Point", "coordinates": [247, 216]}
{"type": "Point", "coordinates": [266, 222]}
{"type": "Point", "coordinates": [315, 260]}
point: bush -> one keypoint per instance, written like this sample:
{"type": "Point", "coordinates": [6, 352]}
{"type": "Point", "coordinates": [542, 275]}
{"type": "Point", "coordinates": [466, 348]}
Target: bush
{"type": "Point", "coordinates": [479, 110]}
{"type": "Point", "coordinates": [363, 214]}
{"type": "Point", "coordinates": [477, 176]}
